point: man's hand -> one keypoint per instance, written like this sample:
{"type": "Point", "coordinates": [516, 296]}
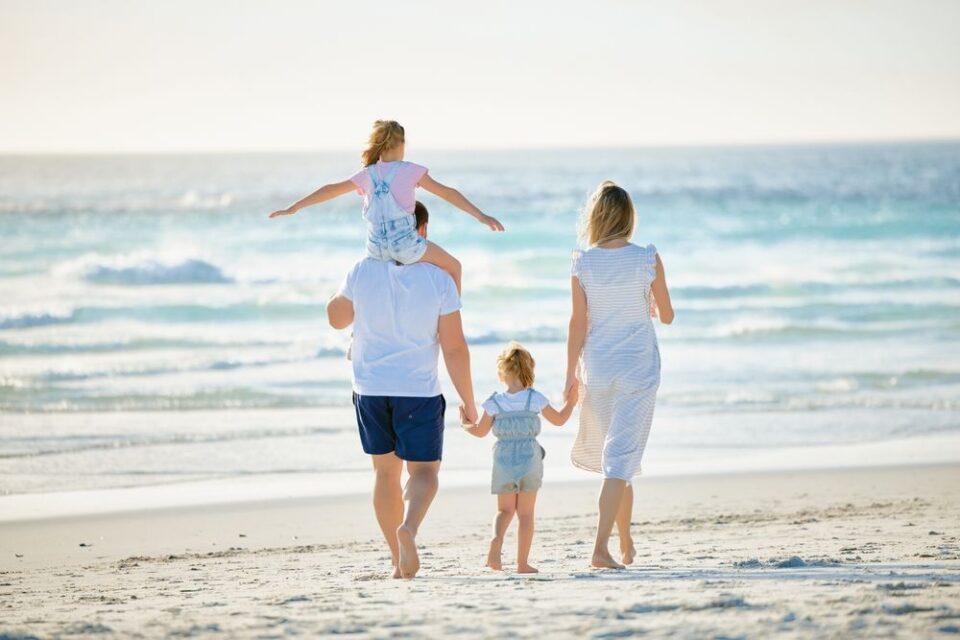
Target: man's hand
{"type": "Point", "coordinates": [468, 416]}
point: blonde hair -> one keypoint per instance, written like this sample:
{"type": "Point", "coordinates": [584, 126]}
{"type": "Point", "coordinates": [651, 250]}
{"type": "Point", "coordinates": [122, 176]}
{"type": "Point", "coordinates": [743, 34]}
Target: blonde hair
{"type": "Point", "coordinates": [609, 215]}
{"type": "Point", "coordinates": [517, 361]}
{"type": "Point", "coordinates": [386, 135]}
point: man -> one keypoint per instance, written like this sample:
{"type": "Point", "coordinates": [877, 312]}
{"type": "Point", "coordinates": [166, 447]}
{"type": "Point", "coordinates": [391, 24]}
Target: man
{"type": "Point", "coordinates": [402, 317]}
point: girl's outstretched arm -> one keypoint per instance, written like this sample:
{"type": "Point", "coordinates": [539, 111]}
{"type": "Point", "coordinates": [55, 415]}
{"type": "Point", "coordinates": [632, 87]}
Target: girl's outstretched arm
{"type": "Point", "coordinates": [458, 200]}
{"type": "Point", "coordinates": [559, 418]}
{"type": "Point", "coordinates": [662, 295]}
{"type": "Point", "coordinates": [480, 429]}
{"type": "Point", "coordinates": [324, 193]}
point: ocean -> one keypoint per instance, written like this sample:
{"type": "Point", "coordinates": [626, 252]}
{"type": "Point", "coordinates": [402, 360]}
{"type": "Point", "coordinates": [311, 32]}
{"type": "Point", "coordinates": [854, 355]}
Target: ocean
{"type": "Point", "coordinates": [156, 329]}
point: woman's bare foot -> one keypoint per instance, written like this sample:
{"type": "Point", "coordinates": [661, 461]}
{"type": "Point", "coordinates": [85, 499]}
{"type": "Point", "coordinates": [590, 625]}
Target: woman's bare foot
{"type": "Point", "coordinates": [603, 560]}
{"type": "Point", "coordinates": [396, 573]}
{"type": "Point", "coordinates": [628, 552]}
{"type": "Point", "coordinates": [493, 556]}
{"type": "Point", "coordinates": [526, 568]}
{"type": "Point", "coordinates": [409, 562]}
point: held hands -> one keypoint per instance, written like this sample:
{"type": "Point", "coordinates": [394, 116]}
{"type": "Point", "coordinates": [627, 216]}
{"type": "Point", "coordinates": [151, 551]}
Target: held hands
{"type": "Point", "coordinates": [491, 222]}
{"type": "Point", "coordinates": [571, 389]}
{"type": "Point", "coordinates": [283, 212]}
{"type": "Point", "coordinates": [468, 417]}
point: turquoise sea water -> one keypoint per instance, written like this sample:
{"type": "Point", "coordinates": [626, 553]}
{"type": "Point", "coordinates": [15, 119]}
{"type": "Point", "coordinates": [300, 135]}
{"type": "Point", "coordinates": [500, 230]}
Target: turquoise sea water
{"type": "Point", "coordinates": [155, 326]}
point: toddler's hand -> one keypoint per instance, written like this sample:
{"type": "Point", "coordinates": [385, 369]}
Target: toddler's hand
{"type": "Point", "coordinates": [491, 222]}
{"type": "Point", "coordinates": [283, 212]}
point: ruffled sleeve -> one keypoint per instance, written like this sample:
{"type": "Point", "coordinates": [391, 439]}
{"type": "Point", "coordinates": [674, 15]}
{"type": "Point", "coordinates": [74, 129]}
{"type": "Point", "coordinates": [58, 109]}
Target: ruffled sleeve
{"type": "Point", "coordinates": [490, 406]}
{"type": "Point", "coordinates": [577, 261]}
{"type": "Point", "coordinates": [650, 261]}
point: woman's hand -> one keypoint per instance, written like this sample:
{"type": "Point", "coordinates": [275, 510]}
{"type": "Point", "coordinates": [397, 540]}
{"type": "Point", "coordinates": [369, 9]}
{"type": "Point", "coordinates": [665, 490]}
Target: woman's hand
{"type": "Point", "coordinates": [289, 211]}
{"type": "Point", "coordinates": [491, 222]}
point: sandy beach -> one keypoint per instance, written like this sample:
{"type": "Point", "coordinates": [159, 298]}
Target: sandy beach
{"type": "Point", "coordinates": [844, 553]}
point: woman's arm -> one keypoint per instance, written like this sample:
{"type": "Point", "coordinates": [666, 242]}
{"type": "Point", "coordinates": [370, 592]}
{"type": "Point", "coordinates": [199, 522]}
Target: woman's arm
{"type": "Point", "coordinates": [482, 428]}
{"type": "Point", "coordinates": [458, 200]}
{"type": "Point", "coordinates": [576, 335]}
{"type": "Point", "coordinates": [661, 294]}
{"type": "Point", "coordinates": [559, 418]}
{"type": "Point", "coordinates": [324, 193]}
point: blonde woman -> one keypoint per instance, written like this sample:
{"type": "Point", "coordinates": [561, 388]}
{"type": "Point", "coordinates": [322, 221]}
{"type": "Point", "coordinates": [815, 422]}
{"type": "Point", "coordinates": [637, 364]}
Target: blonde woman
{"type": "Point", "coordinates": [388, 183]}
{"type": "Point", "coordinates": [612, 354]}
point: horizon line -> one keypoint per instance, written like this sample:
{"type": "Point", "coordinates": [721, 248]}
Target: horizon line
{"type": "Point", "coordinates": [826, 142]}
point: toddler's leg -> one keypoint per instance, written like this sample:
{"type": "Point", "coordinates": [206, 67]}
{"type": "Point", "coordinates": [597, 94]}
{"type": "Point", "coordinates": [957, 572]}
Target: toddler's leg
{"type": "Point", "coordinates": [525, 503]}
{"type": "Point", "coordinates": [506, 506]}
{"type": "Point", "coordinates": [437, 256]}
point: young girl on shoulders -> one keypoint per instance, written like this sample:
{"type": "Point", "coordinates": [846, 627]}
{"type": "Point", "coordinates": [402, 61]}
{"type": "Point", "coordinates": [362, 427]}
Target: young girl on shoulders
{"type": "Point", "coordinates": [514, 417]}
{"type": "Point", "coordinates": [387, 183]}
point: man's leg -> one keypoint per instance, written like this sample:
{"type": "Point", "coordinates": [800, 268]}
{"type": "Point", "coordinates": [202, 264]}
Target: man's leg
{"type": "Point", "coordinates": [388, 501]}
{"type": "Point", "coordinates": [421, 488]}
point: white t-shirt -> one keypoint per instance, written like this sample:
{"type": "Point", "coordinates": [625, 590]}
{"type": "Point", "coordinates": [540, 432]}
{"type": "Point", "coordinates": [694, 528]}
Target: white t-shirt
{"type": "Point", "coordinates": [515, 401]}
{"type": "Point", "coordinates": [396, 312]}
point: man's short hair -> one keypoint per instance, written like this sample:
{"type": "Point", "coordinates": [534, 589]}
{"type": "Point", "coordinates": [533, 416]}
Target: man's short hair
{"type": "Point", "coordinates": [421, 213]}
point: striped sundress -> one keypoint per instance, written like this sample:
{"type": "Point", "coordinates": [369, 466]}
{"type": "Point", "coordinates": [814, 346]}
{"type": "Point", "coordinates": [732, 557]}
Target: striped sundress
{"type": "Point", "coordinates": [620, 364]}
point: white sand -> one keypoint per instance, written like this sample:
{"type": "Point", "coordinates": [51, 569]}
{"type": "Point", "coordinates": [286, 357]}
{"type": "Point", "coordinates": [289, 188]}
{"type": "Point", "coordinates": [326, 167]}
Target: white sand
{"type": "Point", "coordinates": [856, 553]}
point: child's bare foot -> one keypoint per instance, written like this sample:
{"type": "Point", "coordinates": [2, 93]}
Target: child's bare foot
{"type": "Point", "coordinates": [603, 560]}
{"type": "Point", "coordinates": [628, 552]}
{"type": "Point", "coordinates": [493, 556]}
{"type": "Point", "coordinates": [409, 562]}
{"type": "Point", "coordinates": [526, 568]}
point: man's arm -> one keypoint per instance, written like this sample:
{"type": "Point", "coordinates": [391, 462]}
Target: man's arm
{"type": "Point", "coordinates": [339, 311]}
{"type": "Point", "coordinates": [456, 356]}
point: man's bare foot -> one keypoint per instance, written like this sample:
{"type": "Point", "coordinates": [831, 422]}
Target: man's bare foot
{"type": "Point", "coordinates": [493, 556]}
{"type": "Point", "coordinates": [628, 553]}
{"type": "Point", "coordinates": [526, 568]}
{"type": "Point", "coordinates": [409, 562]}
{"type": "Point", "coordinates": [603, 560]}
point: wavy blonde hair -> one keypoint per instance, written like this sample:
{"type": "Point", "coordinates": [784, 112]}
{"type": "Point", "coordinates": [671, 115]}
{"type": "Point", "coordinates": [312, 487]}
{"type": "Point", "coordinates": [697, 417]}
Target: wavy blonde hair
{"type": "Point", "coordinates": [609, 215]}
{"type": "Point", "coordinates": [386, 135]}
{"type": "Point", "coordinates": [517, 361]}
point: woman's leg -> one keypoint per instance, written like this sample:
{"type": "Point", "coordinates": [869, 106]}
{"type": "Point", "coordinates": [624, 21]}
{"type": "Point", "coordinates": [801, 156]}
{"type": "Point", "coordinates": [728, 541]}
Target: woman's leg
{"type": "Point", "coordinates": [624, 513]}
{"type": "Point", "coordinates": [611, 495]}
{"type": "Point", "coordinates": [506, 506]}
{"type": "Point", "coordinates": [525, 504]}
{"type": "Point", "coordinates": [437, 256]}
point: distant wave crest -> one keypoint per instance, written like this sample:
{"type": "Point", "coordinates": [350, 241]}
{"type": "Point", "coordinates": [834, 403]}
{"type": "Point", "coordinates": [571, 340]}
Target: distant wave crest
{"type": "Point", "coordinates": [191, 271]}
{"type": "Point", "coordinates": [28, 320]}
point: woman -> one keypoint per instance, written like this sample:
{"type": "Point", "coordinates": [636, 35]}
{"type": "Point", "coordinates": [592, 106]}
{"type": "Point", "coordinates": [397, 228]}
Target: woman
{"type": "Point", "coordinates": [612, 352]}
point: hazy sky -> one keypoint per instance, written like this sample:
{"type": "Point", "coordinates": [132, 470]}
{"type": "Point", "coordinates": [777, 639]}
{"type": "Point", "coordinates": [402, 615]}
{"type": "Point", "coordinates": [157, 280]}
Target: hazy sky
{"type": "Point", "coordinates": [128, 75]}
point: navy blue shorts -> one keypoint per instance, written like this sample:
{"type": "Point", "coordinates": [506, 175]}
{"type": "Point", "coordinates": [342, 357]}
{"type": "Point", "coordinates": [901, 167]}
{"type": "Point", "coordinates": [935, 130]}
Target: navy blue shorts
{"type": "Point", "coordinates": [410, 427]}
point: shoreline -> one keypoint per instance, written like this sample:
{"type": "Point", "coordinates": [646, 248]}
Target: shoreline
{"type": "Point", "coordinates": [927, 450]}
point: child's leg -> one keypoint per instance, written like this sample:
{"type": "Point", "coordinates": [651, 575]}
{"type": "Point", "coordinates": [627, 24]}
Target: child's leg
{"type": "Point", "coordinates": [624, 513]}
{"type": "Point", "coordinates": [437, 256]}
{"type": "Point", "coordinates": [506, 505]}
{"type": "Point", "coordinates": [525, 504]}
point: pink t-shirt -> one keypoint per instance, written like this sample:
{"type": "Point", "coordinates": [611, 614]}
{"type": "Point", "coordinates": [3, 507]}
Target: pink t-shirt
{"type": "Point", "coordinates": [402, 186]}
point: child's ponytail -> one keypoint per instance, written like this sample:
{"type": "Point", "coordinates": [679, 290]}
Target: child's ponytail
{"type": "Point", "coordinates": [518, 362]}
{"type": "Point", "coordinates": [386, 135]}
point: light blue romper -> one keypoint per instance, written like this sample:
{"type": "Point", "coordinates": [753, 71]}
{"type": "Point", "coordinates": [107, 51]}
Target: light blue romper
{"type": "Point", "coordinates": [391, 230]}
{"type": "Point", "coordinates": [517, 456]}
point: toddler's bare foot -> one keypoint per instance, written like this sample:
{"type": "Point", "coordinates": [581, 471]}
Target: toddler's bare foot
{"type": "Point", "coordinates": [603, 560]}
{"type": "Point", "coordinates": [627, 553]}
{"type": "Point", "coordinates": [493, 556]}
{"type": "Point", "coordinates": [409, 562]}
{"type": "Point", "coordinates": [526, 568]}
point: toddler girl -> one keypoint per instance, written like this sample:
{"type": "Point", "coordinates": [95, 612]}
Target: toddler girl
{"type": "Point", "coordinates": [517, 456]}
{"type": "Point", "coordinates": [387, 184]}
